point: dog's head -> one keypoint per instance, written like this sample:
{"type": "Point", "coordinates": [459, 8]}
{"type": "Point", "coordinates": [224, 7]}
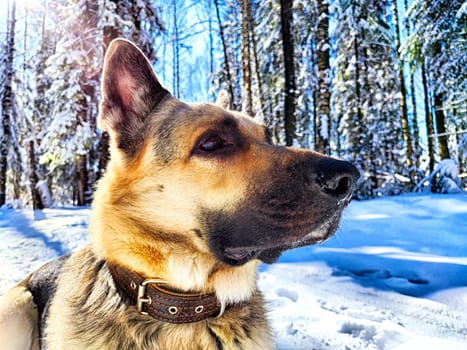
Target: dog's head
{"type": "Point", "coordinates": [205, 178]}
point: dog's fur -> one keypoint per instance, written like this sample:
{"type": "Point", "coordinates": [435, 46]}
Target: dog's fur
{"type": "Point", "coordinates": [194, 194]}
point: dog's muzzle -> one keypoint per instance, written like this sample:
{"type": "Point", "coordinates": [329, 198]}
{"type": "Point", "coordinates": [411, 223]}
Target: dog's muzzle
{"type": "Point", "coordinates": [300, 205]}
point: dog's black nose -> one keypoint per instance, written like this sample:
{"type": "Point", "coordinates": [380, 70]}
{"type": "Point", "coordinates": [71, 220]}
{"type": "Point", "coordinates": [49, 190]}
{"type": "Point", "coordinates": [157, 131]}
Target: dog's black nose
{"type": "Point", "coordinates": [337, 178]}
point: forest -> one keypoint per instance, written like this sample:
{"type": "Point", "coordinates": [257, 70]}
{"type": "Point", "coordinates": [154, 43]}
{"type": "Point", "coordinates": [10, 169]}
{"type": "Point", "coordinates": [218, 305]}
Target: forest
{"type": "Point", "coordinates": [381, 83]}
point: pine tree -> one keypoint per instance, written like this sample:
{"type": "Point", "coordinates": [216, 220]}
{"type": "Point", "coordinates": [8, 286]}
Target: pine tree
{"type": "Point", "coordinates": [305, 35]}
{"type": "Point", "coordinates": [430, 128]}
{"type": "Point", "coordinates": [226, 63]}
{"type": "Point", "coordinates": [417, 151]}
{"type": "Point", "coordinates": [229, 20]}
{"type": "Point", "coordinates": [32, 92]}
{"type": "Point", "coordinates": [365, 94]}
{"type": "Point", "coordinates": [75, 66]}
{"type": "Point", "coordinates": [257, 66]}
{"type": "Point", "coordinates": [247, 95]}
{"type": "Point", "coordinates": [405, 115]}
{"type": "Point", "coordinates": [323, 127]}
{"type": "Point", "coordinates": [437, 42]}
{"type": "Point", "coordinates": [270, 50]}
{"type": "Point", "coordinates": [286, 11]}
{"type": "Point", "coordinates": [7, 102]}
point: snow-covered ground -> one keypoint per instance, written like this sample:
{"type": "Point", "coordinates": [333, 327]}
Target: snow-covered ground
{"type": "Point", "coordinates": [394, 276]}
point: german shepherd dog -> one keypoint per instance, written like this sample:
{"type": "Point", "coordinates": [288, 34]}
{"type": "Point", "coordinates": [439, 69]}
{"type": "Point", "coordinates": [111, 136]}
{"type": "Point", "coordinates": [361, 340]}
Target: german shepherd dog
{"type": "Point", "coordinates": [194, 198]}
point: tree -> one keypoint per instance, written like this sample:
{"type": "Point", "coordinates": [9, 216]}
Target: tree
{"type": "Point", "coordinates": [259, 84]}
{"type": "Point", "coordinates": [34, 92]}
{"type": "Point", "coordinates": [323, 127]}
{"type": "Point", "coordinates": [289, 70]}
{"type": "Point", "coordinates": [437, 42]}
{"type": "Point", "coordinates": [75, 65]}
{"type": "Point", "coordinates": [247, 95]}
{"type": "Point", "coordinates": [307, 86]}
{"type": "Point", "coordinates": [417, 151]}
{"type": "Point", "coordinates": [229, 65]}
{"type": "Point", "coordinates": [405, 115]}
{"type": "Point", "coordinates": [7, 102]}
{"type": "Point", "coordinates": [430, 128]}
{"type": "Point", "coordinates": [366, 94]}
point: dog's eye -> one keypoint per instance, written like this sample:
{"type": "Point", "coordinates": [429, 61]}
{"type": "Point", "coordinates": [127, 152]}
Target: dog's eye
{"type": "Point", "coordinates": [212, 143]}
{"type": "Point", "coordinates": [215, 144]}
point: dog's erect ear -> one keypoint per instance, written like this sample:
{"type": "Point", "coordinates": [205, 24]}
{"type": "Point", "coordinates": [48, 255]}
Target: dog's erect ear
{"type": "Point", "coordinates": [130, 91]}
{"type": "Point", "coordinates": [223, 99]}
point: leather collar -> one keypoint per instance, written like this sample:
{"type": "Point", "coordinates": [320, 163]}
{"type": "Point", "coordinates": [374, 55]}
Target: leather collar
{"type": "Point", "coordinates": [152, 299]}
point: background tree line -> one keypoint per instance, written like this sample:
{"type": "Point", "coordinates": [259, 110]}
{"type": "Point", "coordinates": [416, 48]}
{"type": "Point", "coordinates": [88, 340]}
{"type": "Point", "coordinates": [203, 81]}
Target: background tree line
{"type": "Point", "coordinates": [382, 83]}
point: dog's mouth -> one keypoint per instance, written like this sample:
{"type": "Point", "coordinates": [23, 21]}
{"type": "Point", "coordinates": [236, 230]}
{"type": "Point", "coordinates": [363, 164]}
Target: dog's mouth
{"type": "Point", "coordinates": [268, 255]}
{"type": "Point", "coordinates": [241, 253]}
{"type": "Point", "coordinates": [268, 251]}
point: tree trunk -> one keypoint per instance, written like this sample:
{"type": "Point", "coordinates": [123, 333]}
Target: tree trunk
{"type": "Point", "coordinates": [440, 117]}
{"type": "Point", "coordinates": [33, 179]}
{"type": "Point", "coordinates": [252, 26]}
{"type": "Point", "coordinates": [430, 129]}
{"type": "Point", "coordinates": [323, 126]}
{"type": "Point", "coordinates": [85, 113]}
{"type": "Point", "coordinates": [289, 71]}
{"type": "Point", "coordinates": [211, 40]}
{"type": "Point", "coordinates": [441, 127]}
{"type": "Point", "coordinates": [176, 53]}
{"type": "Point", "coordinates": [416, 131]}
{"type": "Point", "coordinates": [357, 139]}
{"type": "Point", "coordinates": [226, 56]}
{"type": "Point", "coordinates": [405, 116]}
{"type": "Point", "coordinates": [7, 103]}
{"type": "Point", "coordinates": [247, 95]}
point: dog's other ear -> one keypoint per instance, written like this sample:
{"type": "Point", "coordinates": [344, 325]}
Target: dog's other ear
{"type": "Point", "coordinates": [130, 91]}
{"type": "Point", "coordinates": [223, 99]}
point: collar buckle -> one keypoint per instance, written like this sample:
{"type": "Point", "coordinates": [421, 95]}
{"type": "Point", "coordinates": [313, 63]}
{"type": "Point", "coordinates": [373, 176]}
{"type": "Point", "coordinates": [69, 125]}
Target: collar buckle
{"type": "Point", "coordinates": [142, 298]}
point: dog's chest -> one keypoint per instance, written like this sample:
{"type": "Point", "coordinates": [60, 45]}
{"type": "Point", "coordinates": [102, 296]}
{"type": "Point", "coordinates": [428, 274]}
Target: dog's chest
{"type": "Point", "coordinates": [88, 312]}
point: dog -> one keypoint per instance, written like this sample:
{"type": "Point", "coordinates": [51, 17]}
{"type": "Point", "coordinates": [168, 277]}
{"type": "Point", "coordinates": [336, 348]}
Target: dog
{"type": "Point", "coordinates": [194, 198]}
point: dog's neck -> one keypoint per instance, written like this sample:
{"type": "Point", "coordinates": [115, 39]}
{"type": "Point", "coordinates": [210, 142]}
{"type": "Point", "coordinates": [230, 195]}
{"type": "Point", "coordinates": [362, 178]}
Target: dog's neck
{"type": "Point", "coordinates": [184, 271]}
{"type": "Point", "coordinates": [189, 273]}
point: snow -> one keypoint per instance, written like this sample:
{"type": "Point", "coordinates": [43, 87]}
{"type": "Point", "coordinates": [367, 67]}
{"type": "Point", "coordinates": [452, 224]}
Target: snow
{"type": "Point", "coordinates": [393, 277]}
{"type": "Point", "coordinates": [444, 179]}
{"type": "Point", "coordinates": [462, 11]}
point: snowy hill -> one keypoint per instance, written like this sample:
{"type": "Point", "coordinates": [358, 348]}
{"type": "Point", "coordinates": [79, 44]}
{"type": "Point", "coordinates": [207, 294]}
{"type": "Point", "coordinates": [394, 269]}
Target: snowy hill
{"type": "Point", "coordinates": [394, 277]}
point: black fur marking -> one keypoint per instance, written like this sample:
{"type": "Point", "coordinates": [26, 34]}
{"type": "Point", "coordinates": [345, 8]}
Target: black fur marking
{"type": "Point", "coordinates": [216, 339]}
{"type": "Point", "coordinates": [247, 330]}
{"type": "Point", "coordinates": [42, 284]}
{"type": "Point", "coordinates": [83, 299]}
{"type": "Point", "coordinates": [198, 232]}
{"type": "Point", "coordinates": [166, 144]}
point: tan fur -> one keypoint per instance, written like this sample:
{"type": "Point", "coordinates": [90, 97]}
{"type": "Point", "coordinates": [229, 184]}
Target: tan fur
{"type": "Point", "coordinates": [18, 320]}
